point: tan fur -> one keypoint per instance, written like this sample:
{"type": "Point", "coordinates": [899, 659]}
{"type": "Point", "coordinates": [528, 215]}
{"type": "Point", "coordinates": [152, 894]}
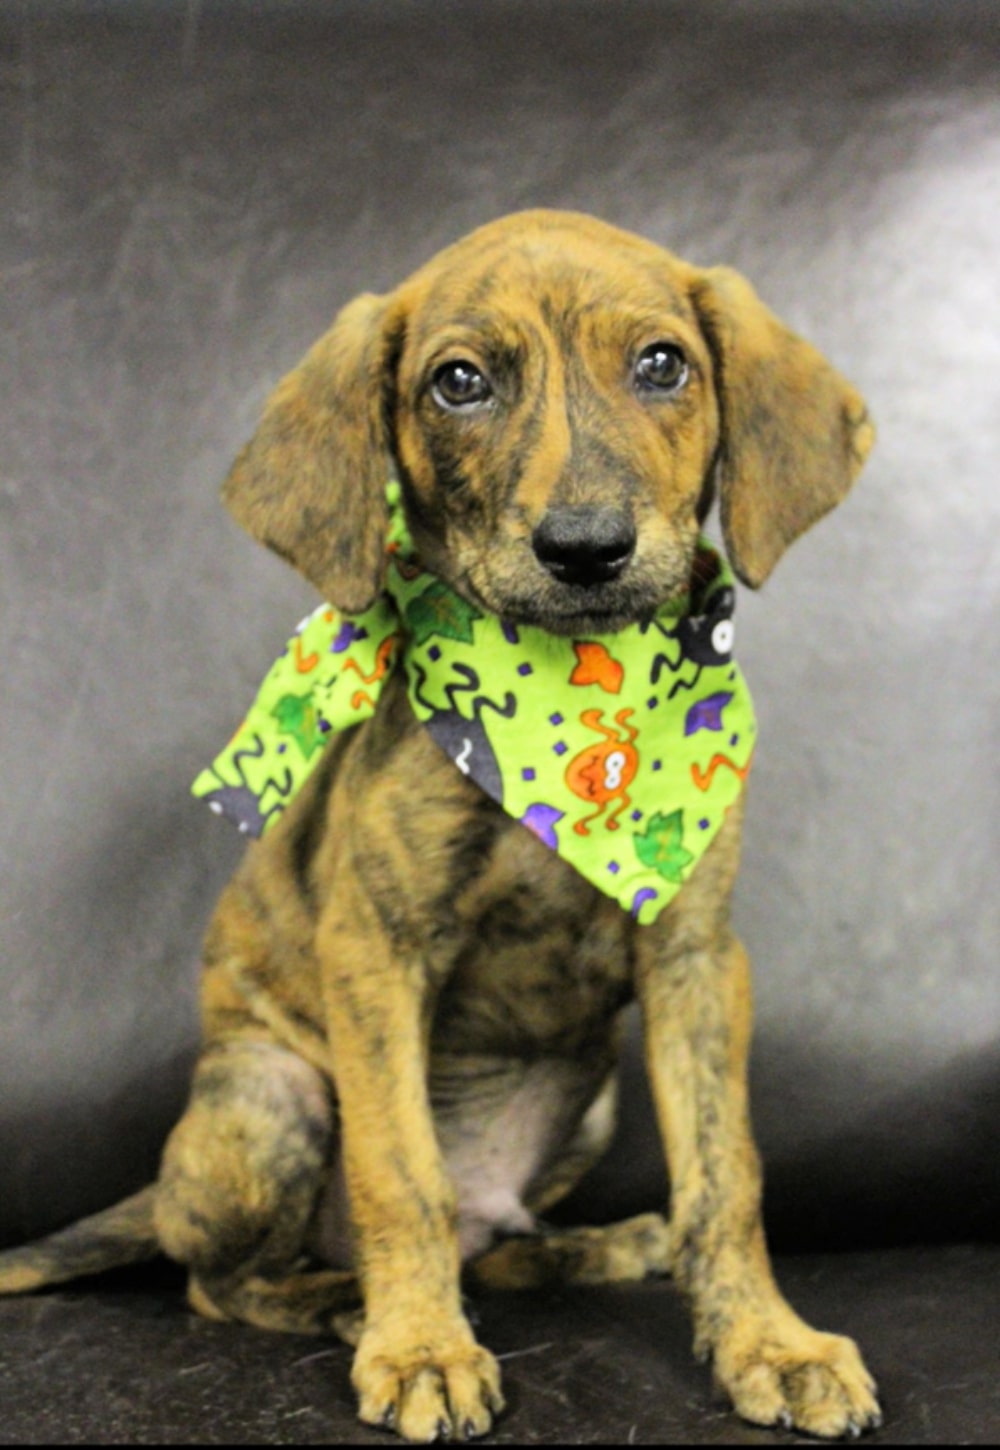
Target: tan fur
{"type": "Point", "coordinates": [410, 1005]}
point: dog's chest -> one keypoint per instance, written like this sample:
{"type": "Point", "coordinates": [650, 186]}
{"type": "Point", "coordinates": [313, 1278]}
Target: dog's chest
{"type": "Point", "coordinates": [542, 960]}
{"type": "Point", "coordinates": [524, 953]}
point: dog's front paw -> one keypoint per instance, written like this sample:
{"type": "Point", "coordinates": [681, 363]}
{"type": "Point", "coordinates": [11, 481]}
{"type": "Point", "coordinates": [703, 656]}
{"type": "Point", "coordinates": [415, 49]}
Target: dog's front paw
{"type": "Point", "coordinates": [795, 1377]}
{"type": "Point", "coordinates": [427, 1383]}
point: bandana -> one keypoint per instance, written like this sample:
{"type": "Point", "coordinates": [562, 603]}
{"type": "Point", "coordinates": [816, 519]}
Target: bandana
{"type": "Point", "coordinates": [622, 752]}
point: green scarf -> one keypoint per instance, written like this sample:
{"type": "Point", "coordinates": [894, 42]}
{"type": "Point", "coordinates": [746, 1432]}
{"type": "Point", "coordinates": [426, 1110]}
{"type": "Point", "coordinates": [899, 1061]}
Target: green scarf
{"type": "Point", "coordinates": [623, 752]}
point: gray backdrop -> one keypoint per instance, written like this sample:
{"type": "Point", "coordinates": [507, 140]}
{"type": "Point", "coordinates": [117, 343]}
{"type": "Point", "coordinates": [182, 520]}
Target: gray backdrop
{"type": "Point", "coordinates": [189, 193]}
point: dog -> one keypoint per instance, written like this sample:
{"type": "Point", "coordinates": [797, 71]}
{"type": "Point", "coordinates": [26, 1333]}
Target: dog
{"type": "Point", "coordinates": [411, 1005]}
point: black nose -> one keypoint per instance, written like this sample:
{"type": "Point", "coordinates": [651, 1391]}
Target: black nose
{"type": "Point", "coordinates": [586, 546]}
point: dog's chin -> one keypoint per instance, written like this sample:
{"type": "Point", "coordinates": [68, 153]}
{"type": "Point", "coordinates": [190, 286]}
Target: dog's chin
{"type": "Point", "coordinates": [572, 610]}
{"type": "Point", "coordinates": [576, 622]}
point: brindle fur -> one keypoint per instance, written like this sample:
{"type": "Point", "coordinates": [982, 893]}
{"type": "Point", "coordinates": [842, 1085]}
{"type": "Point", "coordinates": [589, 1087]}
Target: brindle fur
{"type": "Point", "coordinates": [410, 1006]}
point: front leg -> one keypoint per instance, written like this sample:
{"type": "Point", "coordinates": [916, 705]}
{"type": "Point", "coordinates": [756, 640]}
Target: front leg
{"type": "Point", "coordinates": [418, 1368]}
{"type": "Point", "coordinates": [693, 983]}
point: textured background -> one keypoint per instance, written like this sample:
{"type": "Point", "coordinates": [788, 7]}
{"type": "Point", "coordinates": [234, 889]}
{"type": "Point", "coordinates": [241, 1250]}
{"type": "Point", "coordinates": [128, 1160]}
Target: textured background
{"type": "Point", "coordinates": [190, 191]}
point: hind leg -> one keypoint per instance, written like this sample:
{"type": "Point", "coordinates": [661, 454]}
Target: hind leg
{"type": "Point", "coordinates": [317, 1301]}
{"type": "Point", "coordinates": [617, 1253]}
{"type": "Point", "coordinates": [239, 1184]}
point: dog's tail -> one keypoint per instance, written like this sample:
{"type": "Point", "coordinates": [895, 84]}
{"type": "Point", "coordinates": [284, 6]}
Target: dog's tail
{"type": "Point", "coordinates": [120, 1235]}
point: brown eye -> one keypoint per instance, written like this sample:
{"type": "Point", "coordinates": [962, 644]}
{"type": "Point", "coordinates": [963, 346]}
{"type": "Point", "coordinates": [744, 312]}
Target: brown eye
{"type": "Point", "coordinates": [661, 368]}
{"type": "Point", "coordinates": [460, 385]}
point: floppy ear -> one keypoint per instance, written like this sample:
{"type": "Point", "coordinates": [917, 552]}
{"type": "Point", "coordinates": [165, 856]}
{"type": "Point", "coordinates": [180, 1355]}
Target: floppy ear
{"type": "Point", "coordinates": [310, 484]}
{"type": "Point", "coordinates": [794, 432]}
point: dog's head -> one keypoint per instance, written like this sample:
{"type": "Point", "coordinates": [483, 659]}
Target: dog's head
{"type": "Point", "coordinates": [560, 400]}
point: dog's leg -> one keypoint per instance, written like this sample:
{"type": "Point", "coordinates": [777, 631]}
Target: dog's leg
{"type": "Point", "coordinates": [239, 1183]}
{"type": "Point", "coordinates": [310, 1302]}
{"type": "Point", "coordinates": [693, 983]}
{"type": "Point", "coordinates": [418, 1367]}
{"type": "Point", "coordinates": [617, 1253]}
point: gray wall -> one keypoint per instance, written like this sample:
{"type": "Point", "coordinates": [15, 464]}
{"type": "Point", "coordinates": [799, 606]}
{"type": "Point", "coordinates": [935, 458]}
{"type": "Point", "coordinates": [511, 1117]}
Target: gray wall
{"type": "Point", "coordinates": [190, 191]}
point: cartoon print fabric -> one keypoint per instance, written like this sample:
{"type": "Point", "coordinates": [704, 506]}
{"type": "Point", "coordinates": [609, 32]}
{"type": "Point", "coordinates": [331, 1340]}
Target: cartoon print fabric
{"type": "Point", "coordinates": [622, 752]}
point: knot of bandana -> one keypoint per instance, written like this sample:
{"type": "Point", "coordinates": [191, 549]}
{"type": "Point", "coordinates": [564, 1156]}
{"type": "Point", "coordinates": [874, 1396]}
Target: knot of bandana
{"type": "Point", "coordinates": [622, 752]}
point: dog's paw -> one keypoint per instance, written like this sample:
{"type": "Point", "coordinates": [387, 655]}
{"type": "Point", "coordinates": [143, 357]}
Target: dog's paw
{"type": "Point", "coordinates": [435, 1385]}
{"type": "Point", "coordinates": [799, 1379]}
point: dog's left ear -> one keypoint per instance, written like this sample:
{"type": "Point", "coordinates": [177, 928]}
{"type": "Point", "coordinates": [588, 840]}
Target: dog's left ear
{"type": "Point", "coordinates": [310, 484]}
{"type": "Point", "coordinates": [794, 432]}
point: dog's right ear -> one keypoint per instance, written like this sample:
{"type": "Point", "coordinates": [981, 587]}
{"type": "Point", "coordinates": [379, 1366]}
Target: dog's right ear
{"type": "Point", "coordinates": [310, 484]}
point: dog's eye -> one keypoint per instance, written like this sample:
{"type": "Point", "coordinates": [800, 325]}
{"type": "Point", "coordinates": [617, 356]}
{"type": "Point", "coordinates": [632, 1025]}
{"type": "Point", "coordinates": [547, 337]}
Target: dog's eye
{"type": "Point", "coordinates": [460, 384]}
{"type": "Point", "coordinates": [661, 367]}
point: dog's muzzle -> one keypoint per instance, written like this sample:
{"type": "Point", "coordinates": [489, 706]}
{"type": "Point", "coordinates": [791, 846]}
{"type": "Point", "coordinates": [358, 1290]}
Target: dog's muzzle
{"type": "Point", "coordinates": [584, 546]}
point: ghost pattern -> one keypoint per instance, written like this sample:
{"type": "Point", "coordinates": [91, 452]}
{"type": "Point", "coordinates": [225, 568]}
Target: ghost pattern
{"type": "Point", "coordinates": [603, 772]}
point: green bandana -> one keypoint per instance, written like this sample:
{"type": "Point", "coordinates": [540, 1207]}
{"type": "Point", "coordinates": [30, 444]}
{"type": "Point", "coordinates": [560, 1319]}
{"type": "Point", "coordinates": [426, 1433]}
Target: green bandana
{"type": "Point", "coordinates": [623, 752]}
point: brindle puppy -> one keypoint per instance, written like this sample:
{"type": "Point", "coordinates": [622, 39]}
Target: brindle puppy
{"type": "Point", "coordinates": [410, 1005]}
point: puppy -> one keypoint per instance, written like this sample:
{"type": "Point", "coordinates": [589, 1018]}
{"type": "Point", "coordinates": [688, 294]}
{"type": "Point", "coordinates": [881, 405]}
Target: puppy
{"type": "Point", "coordinates": [410, 1002]}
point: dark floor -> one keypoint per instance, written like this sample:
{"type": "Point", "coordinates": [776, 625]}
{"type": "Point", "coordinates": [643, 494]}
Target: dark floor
{"type": "Point", "coordinates": [122, 1361]}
